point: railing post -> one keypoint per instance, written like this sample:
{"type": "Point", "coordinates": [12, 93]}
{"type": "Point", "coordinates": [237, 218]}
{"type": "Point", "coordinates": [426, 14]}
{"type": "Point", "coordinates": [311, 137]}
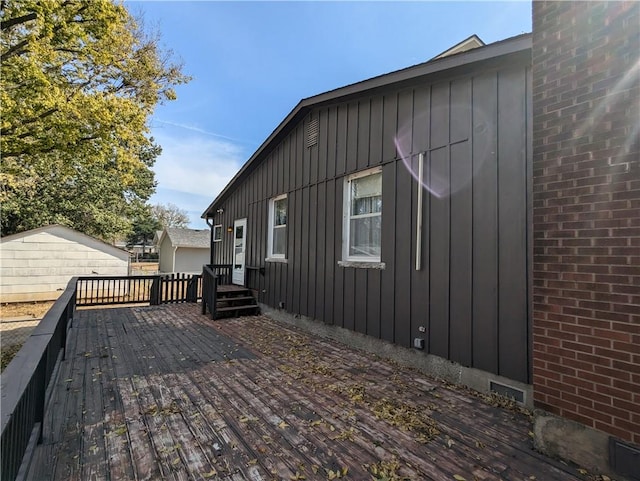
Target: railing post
{"type": "Point", "coordinates": [192, 288]}
{"type": "Point", "coordinates": [214, 299]}
{"type": "Point", "coordinates": [155, 291]}
{"type": "Point", "coordinates": [204, 290]}
{"type": "Point", "coordinates": [68, 316]}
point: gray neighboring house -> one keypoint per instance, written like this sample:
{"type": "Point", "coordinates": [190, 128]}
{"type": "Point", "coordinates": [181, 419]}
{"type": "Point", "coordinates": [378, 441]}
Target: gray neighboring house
{"type": "Point", "coordinates": [183, 250]}
{"type": "Point", "coordinates": [36, 265]}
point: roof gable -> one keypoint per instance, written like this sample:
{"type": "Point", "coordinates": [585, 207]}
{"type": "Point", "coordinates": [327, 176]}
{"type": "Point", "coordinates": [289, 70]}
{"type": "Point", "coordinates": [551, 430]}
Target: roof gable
{"type": "Point", "coordinates": [72, 235]}
{"type": "Point", "coordinates": [510, 46]}
{"type": "Point", "coordinates": [157, 236]}
{"type": "Point", "coordinates": [467, 44]}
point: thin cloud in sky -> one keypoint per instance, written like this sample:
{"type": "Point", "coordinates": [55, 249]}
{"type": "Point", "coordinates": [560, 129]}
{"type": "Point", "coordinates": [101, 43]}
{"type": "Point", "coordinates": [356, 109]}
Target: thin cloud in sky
{"type": "Point", "coordinates": [195, 164]}
{"type": "Point", "coordinates": [194, 128]}
{"type": "Point", "coordinates": [193, 169]}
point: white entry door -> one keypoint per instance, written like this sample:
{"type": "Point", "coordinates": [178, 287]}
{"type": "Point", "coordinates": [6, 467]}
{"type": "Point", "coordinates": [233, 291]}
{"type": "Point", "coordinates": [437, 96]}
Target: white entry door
{"type": "Point", "coordinates": [239, 244]}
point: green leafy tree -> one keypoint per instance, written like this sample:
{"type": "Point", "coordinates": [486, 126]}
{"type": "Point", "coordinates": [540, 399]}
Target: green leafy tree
{"type": "Point", "coordinates": [144, 227]}
{"type": "Point", "coordinates": [170, 215]}
{"type": "Point", "coordinates": [80, 79]}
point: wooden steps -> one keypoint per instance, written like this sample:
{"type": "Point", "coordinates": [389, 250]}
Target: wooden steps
{"type": "Point", "coordinates": [235, 301]}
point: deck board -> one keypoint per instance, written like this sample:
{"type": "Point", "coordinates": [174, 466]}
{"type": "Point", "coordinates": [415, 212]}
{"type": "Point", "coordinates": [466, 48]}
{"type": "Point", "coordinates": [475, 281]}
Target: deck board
{"type": "Point", "coordinates": [163, 392]}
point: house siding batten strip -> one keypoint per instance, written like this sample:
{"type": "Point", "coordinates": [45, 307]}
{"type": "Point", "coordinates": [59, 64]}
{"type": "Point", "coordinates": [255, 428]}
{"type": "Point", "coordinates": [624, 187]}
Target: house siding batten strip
{"type": "Point", "coordinates": [586, 208]}
{"type": "Point", "coordinates": [392, 301]}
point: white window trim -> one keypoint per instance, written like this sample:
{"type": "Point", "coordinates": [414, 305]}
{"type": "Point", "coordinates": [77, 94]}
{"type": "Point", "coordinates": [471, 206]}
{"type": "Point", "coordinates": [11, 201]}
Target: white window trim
{"type": "Point", "coordinates": [347, 260]}
{"type": "Point", "coordinates": [214, 233]}
{"type": "Point", "coordinates": [271, 257]}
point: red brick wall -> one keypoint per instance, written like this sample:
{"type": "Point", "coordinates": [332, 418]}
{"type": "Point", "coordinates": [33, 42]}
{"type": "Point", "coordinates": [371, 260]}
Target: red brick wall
{"type": "Point", "coordinates": [586, 213]}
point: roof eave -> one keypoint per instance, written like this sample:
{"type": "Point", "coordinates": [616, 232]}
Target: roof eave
{"type": "Point", "coordinates": [490, 51]}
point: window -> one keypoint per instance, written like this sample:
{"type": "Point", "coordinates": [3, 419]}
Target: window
{"type": "Point", "coordinates": [277, 243]}
{"type": "Point", "coordinates": [362, 230]}
{"type": "Point", "coordinates": [217, 233]}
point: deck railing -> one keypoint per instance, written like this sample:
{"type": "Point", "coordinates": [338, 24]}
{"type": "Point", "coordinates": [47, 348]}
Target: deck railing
{"type": "Point", "coordinates": [25, 385]}
{"type": "Point", "coordinates": [223, 272]}
{"type": "Point", "coordinates": [153, 290]}
{"type": "Point", "coordinates": [95, 291]}
{"type": "Point", "coordinates": [213, 275]}
{"type": "Point", "coordinates": [180, 288]}
{"type": "Point", "coordinates": [209, 291]}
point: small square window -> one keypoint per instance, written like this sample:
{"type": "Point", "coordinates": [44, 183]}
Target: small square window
{"type": "Point", "coordinates": [217, 233]}
{"type": "Point", "coordinates": [277, 242]}
{"type": "Point", "coordinates": [362, 229]}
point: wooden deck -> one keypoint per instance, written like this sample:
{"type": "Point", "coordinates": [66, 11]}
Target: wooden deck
{"type": "Point", "coordinates": [164, 393]}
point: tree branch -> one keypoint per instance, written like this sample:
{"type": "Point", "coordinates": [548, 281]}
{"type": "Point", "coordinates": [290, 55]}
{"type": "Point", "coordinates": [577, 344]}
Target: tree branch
{"type": "Point", "coordinates": [17, 49]}
{"type": "Point", "coordinates": [7, 155]}
{"type": "Point", "coordinates": [7, 24]}
{"type": "Point", "coordinates": [41, 116]}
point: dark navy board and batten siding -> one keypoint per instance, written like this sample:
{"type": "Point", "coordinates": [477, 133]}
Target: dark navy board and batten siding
{"type": "Point", "coordinates": [471, 293]}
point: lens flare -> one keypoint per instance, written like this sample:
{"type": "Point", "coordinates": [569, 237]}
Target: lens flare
{"type": "Point", "coordinates": [439, 179]}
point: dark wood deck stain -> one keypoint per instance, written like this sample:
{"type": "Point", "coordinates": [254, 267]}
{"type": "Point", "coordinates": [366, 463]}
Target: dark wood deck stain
{"type": "Point", "coordinates": [165, 393]}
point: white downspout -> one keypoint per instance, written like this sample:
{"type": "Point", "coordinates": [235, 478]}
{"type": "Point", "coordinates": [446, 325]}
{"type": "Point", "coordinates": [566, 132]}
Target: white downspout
{"type": "Point", "coordinates": [419, 212]}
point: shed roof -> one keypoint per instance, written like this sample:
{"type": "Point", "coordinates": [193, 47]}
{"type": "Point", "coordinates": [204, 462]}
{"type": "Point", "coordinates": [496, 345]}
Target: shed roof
{"type": "Point", "coordinates": [193, 238]}
{"type": "Point", "coordinates": [71, 234]}
{"type": "Point", "coordinates": [450, 62]}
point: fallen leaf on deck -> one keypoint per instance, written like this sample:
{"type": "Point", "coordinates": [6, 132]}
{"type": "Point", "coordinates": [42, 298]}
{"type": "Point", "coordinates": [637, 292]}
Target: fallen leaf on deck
{"type": "Point", "coordinates": [121, 430]}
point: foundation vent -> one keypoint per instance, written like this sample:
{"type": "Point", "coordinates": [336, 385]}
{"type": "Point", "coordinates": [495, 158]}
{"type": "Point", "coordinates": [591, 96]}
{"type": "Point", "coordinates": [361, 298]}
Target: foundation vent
{"type": "Point", "coordinates": [624, 459]}
{"type": "Point", "coordinates": [507, 391]}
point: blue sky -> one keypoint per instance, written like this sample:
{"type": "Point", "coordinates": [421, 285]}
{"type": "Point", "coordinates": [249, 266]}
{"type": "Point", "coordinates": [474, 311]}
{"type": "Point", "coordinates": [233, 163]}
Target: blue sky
{"type": "Point", "coordinates": [252, 62]}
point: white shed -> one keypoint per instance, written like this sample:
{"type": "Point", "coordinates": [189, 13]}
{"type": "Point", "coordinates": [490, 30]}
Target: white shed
{"type": "Point", "coordinates": [36, 265]}
{"type": "Point", "coordinates": [184, 250]}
